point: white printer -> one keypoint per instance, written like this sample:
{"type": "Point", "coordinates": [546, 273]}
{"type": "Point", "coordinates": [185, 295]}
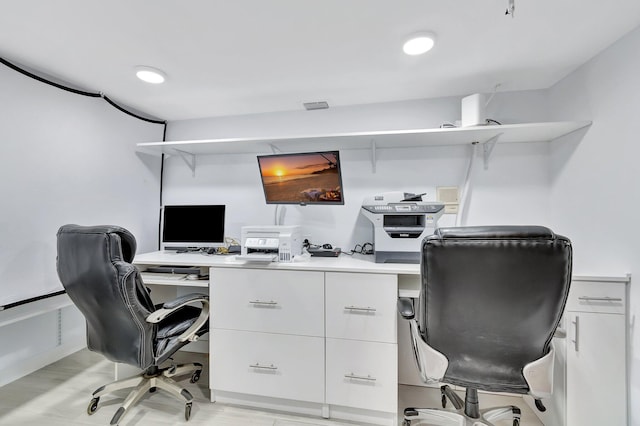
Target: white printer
{"type": "Point", "coordinates": [400, 220]}
{"type": "Point", "coordinates": [271, 243]}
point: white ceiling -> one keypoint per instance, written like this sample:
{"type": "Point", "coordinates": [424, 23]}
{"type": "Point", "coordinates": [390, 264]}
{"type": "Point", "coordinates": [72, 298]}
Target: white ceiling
{"type": "Point", "coordinates": [231, 57]}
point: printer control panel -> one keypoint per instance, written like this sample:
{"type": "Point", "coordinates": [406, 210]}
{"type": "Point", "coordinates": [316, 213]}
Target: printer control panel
{"type": "Point", "coordinates": [404, 208]}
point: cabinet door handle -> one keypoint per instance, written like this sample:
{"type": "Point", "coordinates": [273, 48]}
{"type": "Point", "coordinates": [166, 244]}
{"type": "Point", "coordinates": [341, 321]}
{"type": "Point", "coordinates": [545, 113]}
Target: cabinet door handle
{"type": "Point", "coordinates": [360, 308]}
{"type": "Point", "coordinates": [355, 376]}
{"type": "Point", "coordinates": [600, 299]}
{"type": "Point", "coordinates": [264, 367]}
{"type": "Point", "coordinates": [576, 331]}
{"type": "Point", "coordinates": [263, 302]}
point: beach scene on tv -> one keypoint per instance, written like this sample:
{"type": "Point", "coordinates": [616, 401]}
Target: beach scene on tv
{"type": "Point", "coordinates": [301, 178]}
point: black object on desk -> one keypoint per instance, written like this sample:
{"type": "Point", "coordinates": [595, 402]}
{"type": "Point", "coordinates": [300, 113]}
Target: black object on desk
{"type": "Point", "coordinates": [322, 252]}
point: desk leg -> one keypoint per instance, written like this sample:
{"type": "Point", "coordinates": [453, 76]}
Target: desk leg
{"type": "Point", "coordinates": [325, 411]}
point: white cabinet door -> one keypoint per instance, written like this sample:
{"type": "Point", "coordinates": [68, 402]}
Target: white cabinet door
{"type": "Point", "coordinates": [273, 365]}
{"type": "Point", "coordinates": [362, 306]}
{"type": "Point", "coordinates": [596, 378]}
{"type": "Point", "coordinates": [362, 374]}
{"type": "Point", "coordinates": [290, 302]}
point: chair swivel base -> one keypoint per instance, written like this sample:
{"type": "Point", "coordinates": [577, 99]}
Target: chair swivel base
{"type": "Point", "coordinates": [148, 381]}
{"type": "Point", "coordinates": [434, 416]}
{"type": "Point", "coordinates": [467, 413]}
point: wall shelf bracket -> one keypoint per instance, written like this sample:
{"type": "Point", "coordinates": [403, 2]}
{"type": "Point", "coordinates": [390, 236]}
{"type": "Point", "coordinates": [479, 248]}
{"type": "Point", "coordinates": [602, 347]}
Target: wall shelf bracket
{"type": "Point", "coordinates": [189, 159]}
{"type": "Point", "coordinates": [373, 156]}
{"type": "Point", "coordinates": [275, 149]}
{"type": "Point", "coordinates": [487, 149]}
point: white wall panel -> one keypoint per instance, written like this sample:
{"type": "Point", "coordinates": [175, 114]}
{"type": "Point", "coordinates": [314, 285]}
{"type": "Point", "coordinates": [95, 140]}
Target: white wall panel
{"type": "Point", "coordinates": [66, 159]}
{"type": "Point", "coordinates": [594, 188]}
{"type": "Point", "coordinates": [513, 190]}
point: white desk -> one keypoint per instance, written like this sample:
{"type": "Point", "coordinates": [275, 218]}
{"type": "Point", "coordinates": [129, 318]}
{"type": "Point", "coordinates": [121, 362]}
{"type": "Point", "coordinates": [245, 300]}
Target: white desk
{"type": "Point", "coordinates": [321, 337]}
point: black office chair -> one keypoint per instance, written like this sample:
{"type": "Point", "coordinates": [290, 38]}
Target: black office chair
{"type": "Point", "coordinates": [490, 302]}
{"type": "Point", "coordinates": [122, 322]}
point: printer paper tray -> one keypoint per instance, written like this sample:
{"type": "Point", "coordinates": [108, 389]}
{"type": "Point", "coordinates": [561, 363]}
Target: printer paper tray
{"type": "Point", "coordinates": [258, 257]}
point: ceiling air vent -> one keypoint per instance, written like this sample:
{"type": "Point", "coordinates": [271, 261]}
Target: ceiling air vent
{"type": "Point", "coordinates": [316, 105]}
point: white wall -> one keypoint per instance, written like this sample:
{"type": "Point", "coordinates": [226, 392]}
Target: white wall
{"type": "Point", "coordinates": [513, 190]}
{"type": "Point", "coordinates": [66, 159]}
{"type": "Point", "coordinates": [594, 186]}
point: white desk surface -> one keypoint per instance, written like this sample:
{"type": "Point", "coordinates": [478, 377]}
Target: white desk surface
{"type": "Point", "coordinates": [343, 263]}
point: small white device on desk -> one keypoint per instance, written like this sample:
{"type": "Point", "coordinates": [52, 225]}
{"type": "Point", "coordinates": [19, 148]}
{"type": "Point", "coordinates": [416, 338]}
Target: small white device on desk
{"type": "Point", "coordinates": [400, 221]}
{"type": "Point", "coordinates": [271, 243]}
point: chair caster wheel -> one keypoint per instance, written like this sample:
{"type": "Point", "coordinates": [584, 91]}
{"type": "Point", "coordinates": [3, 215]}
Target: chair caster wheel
{"type": "Point", "coordinates": [516, 422]}
{"type": "Point", "coordinates": [153, 389]}
{"type": "Point", "coordinates": [444, 401]}
{"type": "Point", "coordinates": [195, 376]}
{"type": "Point", "coordinates": [93, 406]}
{"type": "Point", "coordinates": [187, 411]}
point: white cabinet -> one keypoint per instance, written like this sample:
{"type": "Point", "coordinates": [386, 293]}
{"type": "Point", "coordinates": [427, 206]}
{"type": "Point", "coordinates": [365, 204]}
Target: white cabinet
{"type": "Point", "coordinates": [596, 354]}
{"type": "Point", "coordinates": [289, 338]}
{"type": "Point", "coordinates": [361, 344]}
{"type": "Point", "coordinates": [266, 364]}
{"type": "Point", "coordinates": [289, 302]}
{"type": "Point", "coordinates": [268, 333]}
{"type": "Point", "coordinates": [361, 306]}
{"type": "Point", "coordinates": [362, 374]}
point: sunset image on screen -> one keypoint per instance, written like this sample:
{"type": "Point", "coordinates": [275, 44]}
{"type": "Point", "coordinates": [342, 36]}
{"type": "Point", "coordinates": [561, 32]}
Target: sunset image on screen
{"type": "Point", "coordinates": [301, 178]}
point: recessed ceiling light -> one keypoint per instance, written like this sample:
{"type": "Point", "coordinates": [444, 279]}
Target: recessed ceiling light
{"type": "Point", "coordinates": [419, 44]}
{"type": "Point", "coordinates": [150, 75]}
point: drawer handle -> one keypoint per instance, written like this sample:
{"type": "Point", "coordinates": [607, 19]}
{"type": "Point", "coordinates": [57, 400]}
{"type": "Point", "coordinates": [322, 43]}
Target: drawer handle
{"type": "Point", "coordinates": [264, 367]}
{"type": "Point", "coordinates": [360, 308]}
{"type": "Point", "coordinates": [600, 299]}
{"type": "Point", "coordinates": [355, 376]}
{"type": "Point", "coordinates": [576, 331]}
{"type": "Point", "coordinates": [262, 302]}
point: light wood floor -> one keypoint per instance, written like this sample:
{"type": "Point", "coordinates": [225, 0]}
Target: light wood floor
{"type": "Point", "coordinates": [59, 394]}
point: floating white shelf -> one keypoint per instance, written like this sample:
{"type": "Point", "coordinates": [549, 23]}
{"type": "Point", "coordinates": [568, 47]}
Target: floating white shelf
{"type": "Point", "coordinates": [507, 133]}
{"type": "Point", "coordinates": [529, 132]}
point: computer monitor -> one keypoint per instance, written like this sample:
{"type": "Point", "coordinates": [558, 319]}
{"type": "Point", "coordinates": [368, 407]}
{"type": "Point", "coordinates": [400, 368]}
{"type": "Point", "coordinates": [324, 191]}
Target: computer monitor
{"type": "Point", "coordinates": [192, 227]}
{"type": "Point", "coordinates": [302, 178]}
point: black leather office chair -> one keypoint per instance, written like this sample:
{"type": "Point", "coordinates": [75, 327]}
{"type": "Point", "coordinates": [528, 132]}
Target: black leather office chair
{"type": "Point", "coordinates": [490, 302]}
{"type": "Point", "coordinates": [122, 322]}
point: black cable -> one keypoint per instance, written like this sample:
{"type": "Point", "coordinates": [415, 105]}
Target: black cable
{"type": "Point", "coordinates": [491, 120]}
{"type": "Point", "coordinates": [44, 80]}
{"type": "Point", "coordinates": [139, 117]}
{"type": "Point", "coordinates": [32, 299]}
{"type": "Point", "coordinates": [76, 91]}
{"type": "Point", "coordinates": [164, 138]}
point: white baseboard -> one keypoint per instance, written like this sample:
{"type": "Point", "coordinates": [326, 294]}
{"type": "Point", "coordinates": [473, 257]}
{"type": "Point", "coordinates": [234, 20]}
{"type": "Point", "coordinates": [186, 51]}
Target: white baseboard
{"type": "Point", "coordinates": [27, 366]}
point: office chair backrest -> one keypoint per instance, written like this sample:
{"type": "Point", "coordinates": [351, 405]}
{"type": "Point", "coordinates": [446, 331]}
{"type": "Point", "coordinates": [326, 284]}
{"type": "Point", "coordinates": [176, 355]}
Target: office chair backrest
{"type": "Point", "coordinates": [491, 300]}
{"type": "Point", "coordinates": [94, 267]}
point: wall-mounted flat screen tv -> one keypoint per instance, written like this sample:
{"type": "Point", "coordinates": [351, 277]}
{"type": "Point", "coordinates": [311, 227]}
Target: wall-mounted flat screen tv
{"type": "Point", "coordinates": [303, 178]}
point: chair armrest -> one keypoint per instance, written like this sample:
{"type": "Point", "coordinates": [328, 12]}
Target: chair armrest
{"type": "Point", "coordinates": [169, 307]}
{"type": "Point", "coordinates": [405, 308]}
{"type": "Point", "coordinates": [183, 300]}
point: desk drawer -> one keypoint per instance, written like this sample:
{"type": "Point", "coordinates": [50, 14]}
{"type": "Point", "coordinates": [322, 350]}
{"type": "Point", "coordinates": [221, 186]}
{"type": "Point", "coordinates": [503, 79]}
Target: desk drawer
{"type": "Point", "coordinates": [289, 302]}
{"type": "Point", "coordinates": [362, 374]}
{"type": "Point", "coordinates": [272, 365]}
{"type": "Point", "coordinates": [603, 297]}
{"type": "Point", "coordinates": [361, 306]}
